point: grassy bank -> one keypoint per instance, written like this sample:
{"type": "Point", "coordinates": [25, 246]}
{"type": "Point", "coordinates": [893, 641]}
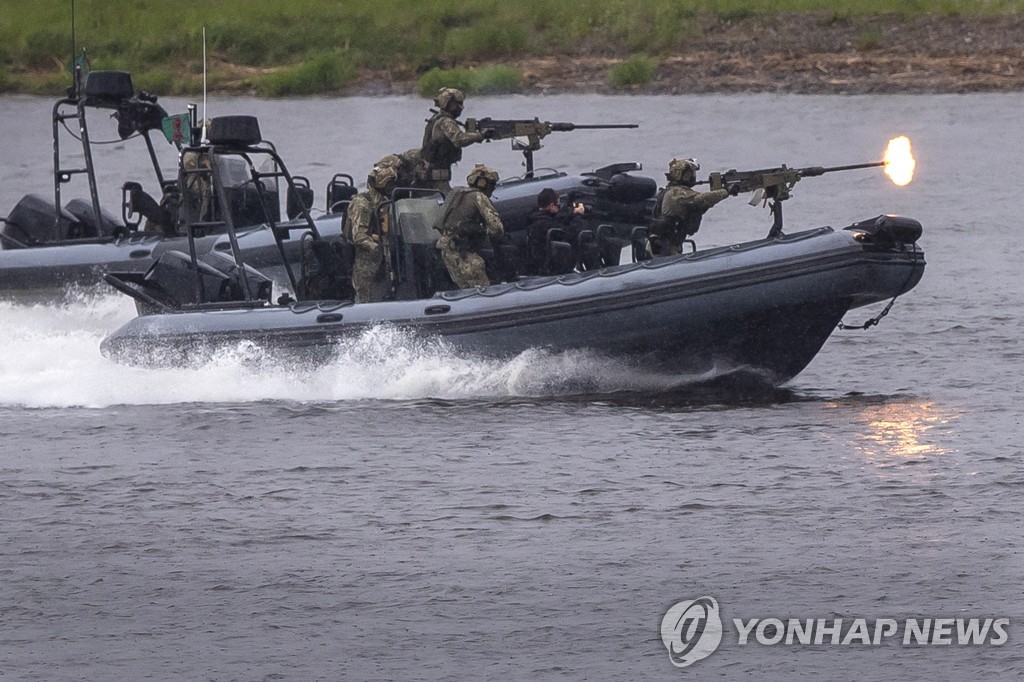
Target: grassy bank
{"type": "Point", "coordinates": [313, 46]}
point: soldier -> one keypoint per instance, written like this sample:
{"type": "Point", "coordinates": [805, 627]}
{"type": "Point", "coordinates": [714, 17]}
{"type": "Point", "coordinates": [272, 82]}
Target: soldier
{"type": "Point", "coordinates": [408, 166]}
{"type": "Point", "coordinates": [365, 230]}
{"type": "Point", "coordinates": [549, 216]}
{"type": "Point", "coordinates": [443, 140]}
{"type": "Point", "coordinates": [679, 208]}
{"type": "Point", "coordinates": [197, 183]}
{"type": "Point", "coordinates": [469, 221]}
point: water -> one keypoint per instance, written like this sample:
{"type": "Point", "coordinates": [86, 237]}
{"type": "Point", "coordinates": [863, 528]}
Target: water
{"type": "Point", "coordinates": [407, 514]}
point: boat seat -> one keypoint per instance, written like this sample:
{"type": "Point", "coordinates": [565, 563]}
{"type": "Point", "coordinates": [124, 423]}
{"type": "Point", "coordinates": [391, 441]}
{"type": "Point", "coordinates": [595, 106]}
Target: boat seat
{"type": "Point", "coordinates": [340, 190]}
{"type": "Point", "coordinates": [609, 245]}
{"type": "Point", "coordinates": [326, 269]}
{"type": "Point", "coordinates": [502, 262]}
{"type": "Point", "coordinates": [161, 218]}
{"type": "Point", "coordinates": [300, 196]}
{"type": "Point", "coordinates": [588, 253]}
{"type": "Point", "coordinates": [639, 241]}
{"type": "Point", "coordinates": [559, 258]}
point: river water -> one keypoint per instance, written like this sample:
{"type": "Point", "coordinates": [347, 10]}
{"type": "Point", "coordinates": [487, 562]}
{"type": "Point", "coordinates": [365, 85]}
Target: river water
{"type": "Point", "coordinates": [405, 514]}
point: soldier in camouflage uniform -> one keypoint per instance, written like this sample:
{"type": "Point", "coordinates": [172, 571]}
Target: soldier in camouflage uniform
{"type": "Point", "coordinates": [468, 222]}
{"type": "Point", "coordinates": [443, 140]}
{"type": "Point", "coordinates": [679, 208]}
{"type": "Point", "coordinates": [366, 229]}
{"type": "Point", "coordinates": [408, 166]}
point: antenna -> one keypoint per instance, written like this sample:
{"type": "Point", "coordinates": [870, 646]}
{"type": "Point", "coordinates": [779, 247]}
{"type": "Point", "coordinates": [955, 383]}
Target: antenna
{"type": "Point", "coordinates": [204, 85]}
{"type": "Point", "coordinates": [76, 75]}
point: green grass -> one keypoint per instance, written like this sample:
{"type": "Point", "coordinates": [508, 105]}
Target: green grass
{"type": "Point", "coordinates": [323, 73]}
{"type": "Point", "coordinates": [487, 80]}
{"type": "Point", "coordinates": [637, 70]}
{"type": "Point", "coordinates": [163, 39]}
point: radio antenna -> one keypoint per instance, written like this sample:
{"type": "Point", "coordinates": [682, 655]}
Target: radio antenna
{"type": "Point", "coordinates": [204, 85]}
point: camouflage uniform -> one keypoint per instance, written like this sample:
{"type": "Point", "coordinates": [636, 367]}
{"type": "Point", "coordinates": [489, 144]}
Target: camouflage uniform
{"type": "Point", "coordinates": [443, 141]}
{"type": "Point", "coordinates": [408, 167]}
{"type": "Point", "coordinates": [369, 274]}
{"type": "Point", "coordinates": [197, 187]}
{"type": "Point", "coordinates": [679, 209]}
{"type": "Point", "coordinates": [468, 223]}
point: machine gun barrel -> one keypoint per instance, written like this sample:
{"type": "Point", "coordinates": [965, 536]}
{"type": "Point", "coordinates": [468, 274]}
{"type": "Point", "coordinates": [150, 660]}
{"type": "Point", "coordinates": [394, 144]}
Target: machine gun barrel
{"type": "Point", "coordinates": [815, 171]}
{"type": "Point", "coordinates": [774, 183]}
{"type": "Point", "coordinates": [563, 127]}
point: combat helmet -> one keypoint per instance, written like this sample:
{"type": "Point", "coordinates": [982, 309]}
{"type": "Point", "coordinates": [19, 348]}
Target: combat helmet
{"type": "Point", "coordinates": [445, 96]}
{"type": "Point", "coordinates": [482, 177]}
{"type": "Point", "coordinates": [682, 171]}
{"type": "Point", "coordinates": [381, 178]}
{"type": "Point", "coordinates": [390, 160]}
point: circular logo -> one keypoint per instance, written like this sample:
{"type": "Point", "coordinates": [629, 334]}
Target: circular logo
{"type": "Point", "coordinates": [691, 630]}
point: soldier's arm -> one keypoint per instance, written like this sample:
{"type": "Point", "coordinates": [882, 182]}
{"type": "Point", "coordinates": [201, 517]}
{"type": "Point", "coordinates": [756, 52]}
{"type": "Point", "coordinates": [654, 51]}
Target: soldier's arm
{"type": "Point", "coordinates": [456, 135]}
{"type": "Point", "coordinates": [360, 218]}
{"type": "Point", "coordinates": [705, 200]}
{"type": "Point", "coordinates": [492, 221]}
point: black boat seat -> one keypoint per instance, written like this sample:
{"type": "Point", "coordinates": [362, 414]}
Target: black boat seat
{"type": "Point", "coordinates": [300, 196]}
{"type": "Point", "coordinates": [588, 252]}
{"type": "Point", "coordinates": [326, 269]}
{"type": "Point", "coordinates": [501, 261]}
{"type": "Point", "coordinates": [639, 241]}
{"type": "Point", "coordinates": [340, 191]}
{"type": "Point", "coordinates": [559, 258]}
{"type": "Point", "coordinates": [609, 245]}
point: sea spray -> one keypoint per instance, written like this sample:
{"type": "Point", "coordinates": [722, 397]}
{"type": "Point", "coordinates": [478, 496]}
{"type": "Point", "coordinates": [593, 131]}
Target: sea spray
{"type": "Point", "coordinates": [50, 357]}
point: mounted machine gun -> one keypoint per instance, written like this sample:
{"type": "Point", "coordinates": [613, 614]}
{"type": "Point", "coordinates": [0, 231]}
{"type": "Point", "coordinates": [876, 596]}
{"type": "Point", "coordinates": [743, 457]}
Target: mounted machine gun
{"type": "Point", "coordinates": [526, 134]}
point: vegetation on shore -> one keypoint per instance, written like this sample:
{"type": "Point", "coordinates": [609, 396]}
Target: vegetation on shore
{"type": "Point", "coordinates": [271, 48]}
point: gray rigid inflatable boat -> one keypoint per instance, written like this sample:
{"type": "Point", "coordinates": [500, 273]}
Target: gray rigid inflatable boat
{"type": "Point", "coordinates": [762, 308]}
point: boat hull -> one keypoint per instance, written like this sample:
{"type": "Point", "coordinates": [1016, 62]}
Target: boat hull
{"type": "Point", "coordinates": [764, 308]}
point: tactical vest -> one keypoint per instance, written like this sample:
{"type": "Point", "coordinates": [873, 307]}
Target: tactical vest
{"type": "Point", "coordinates": [461, 219]}
{"type": "Point", "coordinates": [685, 223]}
{"type": "Point", "coordinates": [438, 151]}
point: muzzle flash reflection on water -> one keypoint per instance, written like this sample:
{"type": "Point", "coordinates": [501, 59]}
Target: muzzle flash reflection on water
{"type": "Point", "coordinates": [899, 161]}
{"type": "Point", "coordinates": [898, 431]}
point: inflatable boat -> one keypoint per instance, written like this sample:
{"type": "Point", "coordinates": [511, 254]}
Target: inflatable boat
{"type": "Point", "coordinates": [51, 249]}
{"type": "Point", "coordinates": [762, 308]}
